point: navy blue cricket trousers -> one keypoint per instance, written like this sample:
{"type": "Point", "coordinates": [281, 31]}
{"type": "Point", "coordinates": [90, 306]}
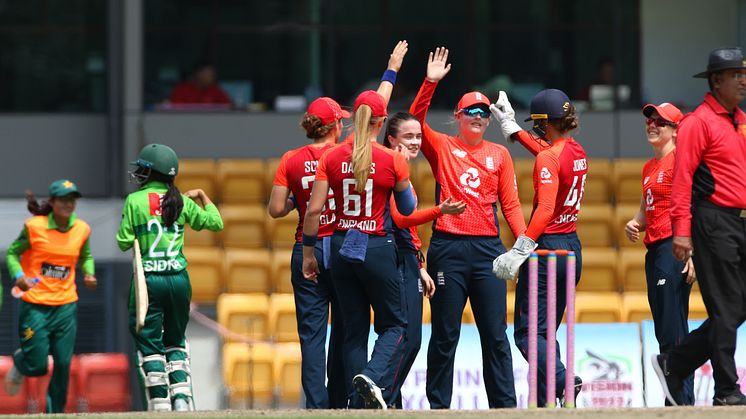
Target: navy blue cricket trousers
{"type": "Point", "coordinates": [377, 283]}
{"type": "Point", "coordinates": [409, 269]}
{"type": "Point", "coordinates": [668, 296]}
{"type": "Point", "coordinates": [312, 303]}
{"type": "Point", "coordinates": [461, 267]}
{"type": "Point", "coordinates": [555, 242]}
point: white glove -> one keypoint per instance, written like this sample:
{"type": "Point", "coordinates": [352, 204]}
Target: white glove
{"type": "Point", "coordinates": [506, 265]}
{"type": "Point", "coordinates": [504, 113]}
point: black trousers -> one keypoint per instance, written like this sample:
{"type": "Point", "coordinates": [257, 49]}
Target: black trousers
{"type": "Point", "coordinates": [719, 236]}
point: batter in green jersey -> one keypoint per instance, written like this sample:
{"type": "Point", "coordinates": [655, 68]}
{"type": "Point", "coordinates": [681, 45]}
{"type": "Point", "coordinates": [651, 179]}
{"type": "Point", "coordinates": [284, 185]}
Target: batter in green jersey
{"type": "Point", "coordinates": [156, 216]}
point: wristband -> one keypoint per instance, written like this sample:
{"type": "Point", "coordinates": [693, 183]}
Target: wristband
{"type": "Point", "coordinates": [309, 240]}
{"type": "Point", "coordinates": [389, 76]}
{"type": "Point", "coordinates": [295, 202]}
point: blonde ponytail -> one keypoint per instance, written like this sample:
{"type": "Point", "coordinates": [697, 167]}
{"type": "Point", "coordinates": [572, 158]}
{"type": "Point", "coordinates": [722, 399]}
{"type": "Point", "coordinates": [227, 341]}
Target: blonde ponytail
{"type": "Point", "coordinates": [362, 149]}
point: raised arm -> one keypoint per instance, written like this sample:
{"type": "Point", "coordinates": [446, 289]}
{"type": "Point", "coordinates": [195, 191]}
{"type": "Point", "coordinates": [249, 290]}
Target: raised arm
{"type": "Point", "coordinates": [436, 70]}
{"type": "Point", "coordinates": [505, 115]}
{"type": "Point", "coordinates": [389, 76]}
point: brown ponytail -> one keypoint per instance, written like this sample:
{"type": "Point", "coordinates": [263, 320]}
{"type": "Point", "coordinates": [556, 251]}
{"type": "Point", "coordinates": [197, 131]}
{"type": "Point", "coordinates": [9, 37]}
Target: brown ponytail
{"type": "Point", "coordinates": [314, 127]}
{"type": "Point", "coordinates": [568, 122]}
{"type": "Point", "coordinates": [34, 207]}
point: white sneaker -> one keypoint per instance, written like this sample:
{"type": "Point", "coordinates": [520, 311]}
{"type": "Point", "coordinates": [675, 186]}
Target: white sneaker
{"type": "Point", "coordinates": [13, 381]}
{"type": "Point", "coordinates": [369, 391]}
{"type": "Point", "coordinates": [181, 405]}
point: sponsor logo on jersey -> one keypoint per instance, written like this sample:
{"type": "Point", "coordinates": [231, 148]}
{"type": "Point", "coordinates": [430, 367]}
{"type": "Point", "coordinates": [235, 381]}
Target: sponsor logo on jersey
{"type": "Point", "coordinates": [54, 271]}
{"type": "Point", "coordinates": [459, 153]}
{"type": "Point", "coordinates": [545, 176]}
{"type": "Point", "coordinates": [440, 278]}
{"type": "Point", "coordinates": [661, 282]}
{"type": "Point", "coordinates": [490, 163]}
{"type": "Point", "coordinates": [470, 178]}
{"type": "Point", "coordinates": [154, 201]}
{"type": "Point", "coordinates": [28, 334]}
{"type": "Point", "coordinates": [660, 177]}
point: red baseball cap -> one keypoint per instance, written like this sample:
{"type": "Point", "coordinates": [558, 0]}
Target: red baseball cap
{"type": "Point", "coordinates": [471, 99]}
{"type": "Point", "coordinates": [374, 100]}
{"type": "Point", "coordinates": [327, 109]}
{"type": "Point", "coordinates": [666, 110]}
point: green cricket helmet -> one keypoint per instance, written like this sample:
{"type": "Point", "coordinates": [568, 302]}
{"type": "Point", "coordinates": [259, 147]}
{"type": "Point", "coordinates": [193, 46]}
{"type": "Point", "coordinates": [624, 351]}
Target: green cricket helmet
{"type": "Point", "coordinates": [160, 158]}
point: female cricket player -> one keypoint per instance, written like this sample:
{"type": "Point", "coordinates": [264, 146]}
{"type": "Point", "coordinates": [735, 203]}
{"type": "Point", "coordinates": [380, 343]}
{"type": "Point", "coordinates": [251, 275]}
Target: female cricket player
{"type": "Point", "coordinates": [156, 215]}
{"type": "Point", "coordinates": [295, 174]}
{"type": "Point", "coordinates": [559, 178]}
{"type": "Point", "coordinates": [669, 281]}
{"type": "Point", "coordinates": [480, 173]}
{"type": "Point", "coordinates": [404, 134]}
{"type": "Point", "coordinates": [363, 174]}
{"type": "Point", "coordinates": [42, 260]}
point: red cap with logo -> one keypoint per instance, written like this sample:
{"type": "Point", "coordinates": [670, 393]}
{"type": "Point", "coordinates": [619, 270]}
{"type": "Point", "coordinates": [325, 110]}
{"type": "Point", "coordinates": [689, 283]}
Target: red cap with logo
{"type": "Point", "coordinates": [374, 100]}
{"type": "Point", "coordinates": [471, 99]}
{"type": "Point", "coordinates": [327, 109]}
{"type": "Point", "coordinates": [666, 110]}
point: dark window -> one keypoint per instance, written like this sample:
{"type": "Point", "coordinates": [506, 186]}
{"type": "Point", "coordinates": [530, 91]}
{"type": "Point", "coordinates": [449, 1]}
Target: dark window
{"type": "Point", "coordinates": [338, 48]}
{"type": "Point", "coordinates": [53, 56]}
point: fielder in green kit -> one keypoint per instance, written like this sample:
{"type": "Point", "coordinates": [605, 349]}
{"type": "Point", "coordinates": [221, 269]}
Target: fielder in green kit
{"type": "Point", "coordinates": [156, 215]}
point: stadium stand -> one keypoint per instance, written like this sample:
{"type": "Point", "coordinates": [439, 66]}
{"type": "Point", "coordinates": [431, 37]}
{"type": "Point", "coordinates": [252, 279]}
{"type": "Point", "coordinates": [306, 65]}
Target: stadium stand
{"type": "Point", "coordinates": [199, 174]}
{"type": "Point", "coordinates": [598, 186]}
{"type": "Point", "coordinates": [248, 270]}
{"type": "Point", "coordinates": [206, 273]}
{"type": "Point", "coordinates": [628, 180]}
{"type": "Point", "coordinates": [245, 314]}
{"type": "Point", "coordinates": [287, 372]}
{"type": "Point", "coordinates": [283, 326]}
{"type": "Point", "coordinates": [242, 181]}
{"type": "Point", "coordinates": [598, 307]}
{"type": "Point", "coordinates": [599, 270]}
{"type": "Point", "coordinates": [248, 373]}
{"type": "Point", "coordinates": [245, 225]}
{"type": "Point", "coordinates": [635, 307]}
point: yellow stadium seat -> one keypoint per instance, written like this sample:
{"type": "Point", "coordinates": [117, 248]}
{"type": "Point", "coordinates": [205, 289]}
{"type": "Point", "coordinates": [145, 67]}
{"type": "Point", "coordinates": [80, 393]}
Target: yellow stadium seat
{"type": "Point", "coordinates": [248, 270]}
{"type": "Point", "coordinates": [248, 373]}
{"type": "Point", "coordinates": [632, 269]}
{"type": "Point", "coordinates": [697, 310]}
{"type": "Point", "coordinates": [598, 307]}
{"type": "Point", "coordinates": [635, 307]}
{"type": "Point", "coordinates": [628, 180]}
{"type": "Point", "coordinates": [468, 315]}
{"type": "Point", "coordinates": [244, 226]}
{"type": "Point", "coordinates": [244, 314]}
{"type": "Point", "coordinates": [198, 174]}
{"type": "Point", "coordinates": [599, 272]}
{"type": "Point", "coordinates": [281, 231]}
{"type": "Point", "coordinates": [425, 186]}
{"type": "Point", "coordinates": [524, 175]}
{"type": "Point", "coordinates": [598, 187]}
{"type": "Point", "coordinates": [287, 368]}
{"type": "Point", "coordinates": [281, 270]}
{"type": "Point", "coordinates": [595, 225]}
{"type": "Point", "coordinates": [269, 178]}
{"type": "Point", "coordinates": [204, 238]}
{"type": "Point", "coordinates": [242, 181]}
{"type": "Point", "coordinates": [283, 325]}
{"type": "Point", "coordinates": [510, 304]}
{"type": "Point", "coordinates": [206, 273]}
{"type": "Point", "coordinates": [426, 312]}
{"type": "Point", "coordinates": [622, 214]}
{"type": "Point", "coordinates": [425, 231]}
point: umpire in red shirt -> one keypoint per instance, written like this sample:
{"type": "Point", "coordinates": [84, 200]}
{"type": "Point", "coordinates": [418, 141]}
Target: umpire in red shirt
{"type": "Point", "coordinates": [709, 215]}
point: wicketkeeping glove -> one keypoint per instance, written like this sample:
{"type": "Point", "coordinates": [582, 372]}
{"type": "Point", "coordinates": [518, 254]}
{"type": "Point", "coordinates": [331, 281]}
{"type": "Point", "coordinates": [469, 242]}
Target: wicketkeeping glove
{"type": "Point", "coordinates": [504, 113]}
{"type": "Point", "coordinates": [506, 265]}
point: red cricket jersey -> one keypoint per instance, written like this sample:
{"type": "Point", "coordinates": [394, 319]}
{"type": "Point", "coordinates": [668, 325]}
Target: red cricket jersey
{"type": "Point", "coordinates": [407, 224]}
{"type": "Point", "coordinates": [362, 211]}
{"type": "Point", "coordinates": [657, 180]}
{"type": "Point", "coordinates": [297, 171]}
{"type": "Point", "coordinates": [710, 159]}
{"type": "Point", "coordinates": [480, 175]}
{"type": "Point", "coordinates": [559, 175]}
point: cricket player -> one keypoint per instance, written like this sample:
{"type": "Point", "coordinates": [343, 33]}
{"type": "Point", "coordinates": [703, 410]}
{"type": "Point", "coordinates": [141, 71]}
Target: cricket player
{"type": "Point", "coordinates": [156, 216]}
{"type": "Point", "coordinates": [42, 260]}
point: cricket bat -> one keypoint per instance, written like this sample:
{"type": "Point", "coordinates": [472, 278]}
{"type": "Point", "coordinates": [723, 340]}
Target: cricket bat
{"type": "Point", "coordinates": [141, 289]}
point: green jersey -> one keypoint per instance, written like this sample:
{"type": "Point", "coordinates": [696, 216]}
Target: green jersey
{"type": "Point", "coordinates": [161, 245]}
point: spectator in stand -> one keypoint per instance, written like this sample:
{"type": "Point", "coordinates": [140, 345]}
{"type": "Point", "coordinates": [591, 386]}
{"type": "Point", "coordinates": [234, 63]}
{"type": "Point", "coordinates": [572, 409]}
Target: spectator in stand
{"type": "Point", "coordinates": [201, 88]}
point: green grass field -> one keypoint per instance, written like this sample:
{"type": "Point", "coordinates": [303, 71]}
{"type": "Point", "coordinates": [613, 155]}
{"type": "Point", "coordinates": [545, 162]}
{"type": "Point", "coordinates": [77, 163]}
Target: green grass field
{"type": "Point", "coordinates": [656, 413]}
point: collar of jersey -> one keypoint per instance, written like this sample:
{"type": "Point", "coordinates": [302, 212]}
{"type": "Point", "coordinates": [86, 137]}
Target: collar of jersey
{"type": "Point", "coordinates": [153, 184]}
{"type": "Point", "coordinates": [52, 225]}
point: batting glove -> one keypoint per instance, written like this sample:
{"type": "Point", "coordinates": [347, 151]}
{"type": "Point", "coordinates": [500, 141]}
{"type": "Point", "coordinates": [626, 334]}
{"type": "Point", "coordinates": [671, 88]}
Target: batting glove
{"type": "Point", "coordinates": [504, 113]}
{"type": "Point", "coordinates": [506, 265]}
